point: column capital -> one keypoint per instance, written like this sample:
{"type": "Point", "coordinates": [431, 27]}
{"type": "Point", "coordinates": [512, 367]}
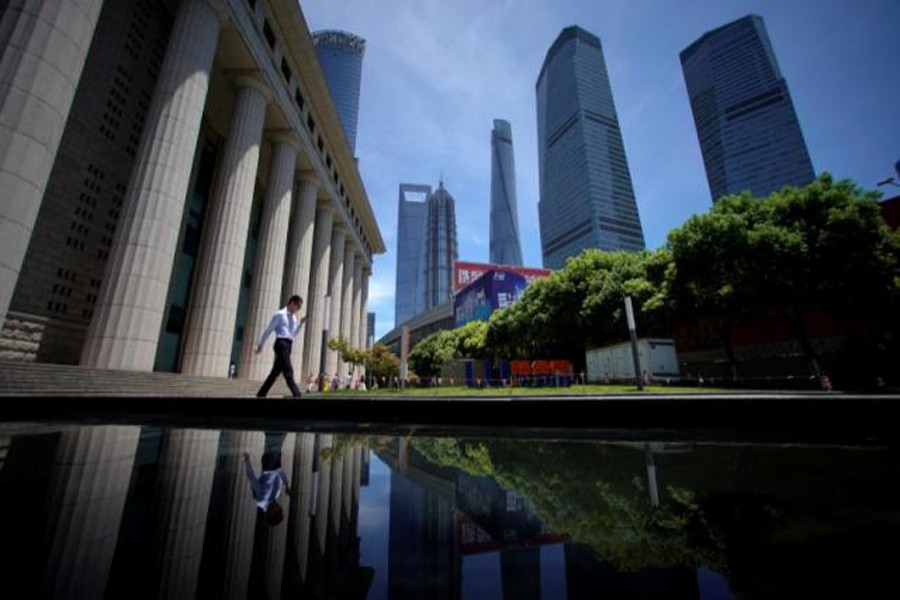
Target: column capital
{"type": "Point", "coordinates": [249, 78]}
{"type": "Point", "coordinates": [309, 176]}
{"type": "Point", "coordinates": [324, 205]}
{"type": "Point", "coordinates": [284, 136]}
{"type": "Point", "coordinates": [217, 6]}
{"type": "Point", "coordinates": [340, 228]}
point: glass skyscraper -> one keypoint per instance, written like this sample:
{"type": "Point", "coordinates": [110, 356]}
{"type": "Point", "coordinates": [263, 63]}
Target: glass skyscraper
{"type": "Point", "coordinates": [426, 250]}
{"type": "Point", "coordinates": [341, 55]}
{"type": "Point", "coordinates": [587, 200]}
{"type": "Point", "coordinates": [505, 248]}
{"type": "Point", "coordinates": [440, 247]}
{"type": "Point", "coordinates": [412, 226]}
{"type": "Point", "coordinates": [746, 124]}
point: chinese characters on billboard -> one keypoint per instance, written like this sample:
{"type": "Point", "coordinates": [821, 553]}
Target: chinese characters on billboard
{"type": "Point", "coordinates": [491, 289]}
{"type": "Point", "coordinates": [465, 273]}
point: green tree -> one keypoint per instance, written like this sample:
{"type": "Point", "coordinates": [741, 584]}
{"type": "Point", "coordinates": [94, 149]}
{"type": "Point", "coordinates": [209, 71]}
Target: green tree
{"type": "Point", "coordinates": [582, 305]}
{"type": "Point", "coordinates": [431, 352]}
{"type": "Point", "coordinates": [468, 341]}
{"type": "Point", "coordinates": [381, 362]}
{"type": "Point", "coordinates": [350, 355]}
{"type": "Point", "coordinates": [824, 245]}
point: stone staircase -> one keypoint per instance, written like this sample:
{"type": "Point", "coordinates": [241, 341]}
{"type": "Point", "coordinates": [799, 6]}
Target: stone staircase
{"type": "Point", "coordinates": [20, 378]}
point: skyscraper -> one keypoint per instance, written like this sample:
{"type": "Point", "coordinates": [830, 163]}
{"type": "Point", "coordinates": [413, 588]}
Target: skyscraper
{"type": "Point", "coordinates": [341, 55]}
{"type": "Point", "coordinates": [412, 228]}
{"type": "Point", "coordinates": [426, 250]}
{"type": "Point", "coordinates": [440, 247]}
{"type": "Point", "coordinates": [746, 124]}
{"type": "Point", "coordinates": [505, 248]}
{"type": "Point", "coordinates": [587, 200]}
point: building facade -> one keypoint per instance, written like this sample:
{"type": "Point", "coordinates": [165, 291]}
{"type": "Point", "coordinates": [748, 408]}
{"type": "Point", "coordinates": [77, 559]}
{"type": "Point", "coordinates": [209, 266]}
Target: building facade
{"type": "Point", "coordinates": [505, 247]}
{"type": "Point", "coordinates": [426, 250]}
{"type": "Point", "coordinates": [441, 249]}
{"type": "Point", "coordinates": [201, 179]}
{"type": "Point", "coordinates": [746, 124]}
{"type": "Point", "coordinates": [587, 199]}
{"type": "Point", "coordinates": [341, 57]}
{"type": "Point", "coordinates": [412, 227]}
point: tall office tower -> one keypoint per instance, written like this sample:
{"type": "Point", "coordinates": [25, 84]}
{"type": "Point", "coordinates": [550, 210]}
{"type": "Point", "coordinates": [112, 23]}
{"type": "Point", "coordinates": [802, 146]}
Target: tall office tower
{"type": "Point", "coordinates": [412, 227]}
{"type": "Point", "coordinates": [426, 250]}
{"type": "Point", "coordinates": [746, 123]}
{"type": "Point", "coordinates": [440, 247]}
{"type": "Point", "coordinates": [505, 248]}
{"type": "Point", "coordinates": [370, 329]}
{"type": "Point", "coordinates": [341, 55]}
{"type": "Point", "coordinates": [587, 200]}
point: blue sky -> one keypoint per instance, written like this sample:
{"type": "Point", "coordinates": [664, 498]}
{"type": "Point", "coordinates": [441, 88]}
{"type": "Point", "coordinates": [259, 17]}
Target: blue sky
{"type": "Point", "coordinates": [437, 73]}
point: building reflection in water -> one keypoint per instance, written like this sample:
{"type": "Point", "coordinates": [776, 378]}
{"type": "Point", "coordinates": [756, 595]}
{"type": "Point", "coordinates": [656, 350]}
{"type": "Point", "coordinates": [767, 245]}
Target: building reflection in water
{"type": "Point", "coordinates": [143, 512]}
{"type": "Point", "coordinates": [119, 511]}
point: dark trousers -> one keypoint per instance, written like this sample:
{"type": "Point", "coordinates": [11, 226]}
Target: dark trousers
{"type": "Point", "coordinates": [282, 365]}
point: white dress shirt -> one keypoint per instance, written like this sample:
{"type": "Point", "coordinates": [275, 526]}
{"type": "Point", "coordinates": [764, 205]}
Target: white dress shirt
{"type": "Point", "coordinates": [267, 487]}
{"type": "Point", "coordinates": [284, 324]}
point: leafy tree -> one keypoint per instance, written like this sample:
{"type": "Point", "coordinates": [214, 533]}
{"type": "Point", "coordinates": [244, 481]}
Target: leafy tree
{"type": "Point", "coordinates": [431, 352]}
{"type": "Point", "coordinates": [824, 245]}
{"type": "Point", "coordinates": [381, 362]}
{"type": "Point", "coordinates": [350, 355]}
{"type": "Point", "coordinates": [581, 305]}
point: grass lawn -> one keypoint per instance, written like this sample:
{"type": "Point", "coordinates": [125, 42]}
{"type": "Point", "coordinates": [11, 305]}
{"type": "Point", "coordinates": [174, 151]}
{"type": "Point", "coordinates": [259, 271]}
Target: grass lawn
{"type": "Point", "coordinates": [574, 390]}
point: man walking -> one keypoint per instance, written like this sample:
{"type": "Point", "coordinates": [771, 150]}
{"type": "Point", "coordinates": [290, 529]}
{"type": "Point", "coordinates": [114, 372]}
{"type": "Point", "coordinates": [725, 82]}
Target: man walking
{"type": "Point", "coordinates": [286, 327]}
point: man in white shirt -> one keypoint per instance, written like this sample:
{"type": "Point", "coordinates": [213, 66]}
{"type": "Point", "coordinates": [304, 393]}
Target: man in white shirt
{"type": "Point", "coordinates": [285, 326]}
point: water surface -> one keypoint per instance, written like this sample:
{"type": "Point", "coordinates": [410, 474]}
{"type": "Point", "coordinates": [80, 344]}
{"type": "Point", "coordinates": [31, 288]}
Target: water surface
{"type": "Point", "coordinates": [144, 512]}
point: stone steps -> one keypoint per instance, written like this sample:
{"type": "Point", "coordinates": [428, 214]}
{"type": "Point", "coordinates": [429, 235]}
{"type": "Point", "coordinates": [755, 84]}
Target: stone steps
{"type": "Point", "coordinates": [37, 379]}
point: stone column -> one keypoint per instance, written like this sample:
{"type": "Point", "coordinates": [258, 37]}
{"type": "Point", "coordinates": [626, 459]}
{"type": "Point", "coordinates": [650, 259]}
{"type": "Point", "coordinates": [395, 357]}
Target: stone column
{"type": "Point", "coordinates": [298, 261]}
{"type": "Point", "coordinates": [354, 309]}
{"type": "Point", "coordinates": [217, 287]}
{"type": "Point", "coordinates": [45, 47]}
{"type": "Point", "coordinates": [350, 455]}
{"type": "Point", "coordinates": [186, 468]}
{"type": "Point", "coordinates": [302, 488]}
{"type": "Point", "coordinates": [322, 505]}
{"type": "Point", "coordinates": [346, 331]}
{"type": "Point", "coordinates": [240, 511]}
{"type": "Point", "coordinates": [268, 270]}
{"type": "Point", "coordinates": [88, 489]}
{"type": "Point", "coordinates": [276, 542]}
{"type": "Point", "coordinates": [363, 312]}
{"type": "Point", "coordinates": [335, 279]}
{"type": "Point", "coordinates": [125, 329]}
{"type": "Point", "coordinates": [318, 286]}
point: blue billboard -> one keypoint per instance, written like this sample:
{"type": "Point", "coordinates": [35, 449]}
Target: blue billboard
{"type": "Point", "coordinates": [495, 289]}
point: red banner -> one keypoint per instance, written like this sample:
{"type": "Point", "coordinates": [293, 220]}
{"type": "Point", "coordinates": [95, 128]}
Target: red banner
{"type": "Point", "coordinates": [465, 273]}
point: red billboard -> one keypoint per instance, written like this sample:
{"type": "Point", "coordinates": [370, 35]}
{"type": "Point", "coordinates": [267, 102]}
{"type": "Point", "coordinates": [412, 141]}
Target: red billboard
{"type": "Point", "coordinates": [465, 273]}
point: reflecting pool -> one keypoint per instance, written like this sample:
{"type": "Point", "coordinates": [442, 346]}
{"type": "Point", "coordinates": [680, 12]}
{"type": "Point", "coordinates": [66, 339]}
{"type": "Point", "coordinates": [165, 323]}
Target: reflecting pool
{"type": "Point", "coordinates": [116, 511]}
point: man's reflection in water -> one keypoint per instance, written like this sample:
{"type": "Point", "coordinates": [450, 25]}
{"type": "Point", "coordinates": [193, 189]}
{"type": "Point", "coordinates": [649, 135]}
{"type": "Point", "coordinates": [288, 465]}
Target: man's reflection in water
{"type": "Point", "coordinates": [271, 482]}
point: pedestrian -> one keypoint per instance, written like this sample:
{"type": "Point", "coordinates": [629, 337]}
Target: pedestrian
{"type": "Point", "coordinates": [285, 326]}
{"type": "Point", "coordinates": [267, 488]}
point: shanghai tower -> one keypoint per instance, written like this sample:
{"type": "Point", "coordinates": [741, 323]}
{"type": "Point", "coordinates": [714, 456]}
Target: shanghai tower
{"type": "Point", "coordinates": [587, 200]}
{"type": "Point", "coordinates": [505, 248]}
{"type": "Point", "coordinates": [341, 55]}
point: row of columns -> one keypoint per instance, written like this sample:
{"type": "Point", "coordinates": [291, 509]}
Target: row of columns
{"type": "Point", "coordinates": [124, 332]}
{"type": "Point", "coordinates": [89, 487]}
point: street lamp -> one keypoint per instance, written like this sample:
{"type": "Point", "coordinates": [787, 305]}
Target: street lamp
{"type": "Point", "coordinates": [324, 350]}
{"type": "Point", "coordinates": [888, 181]}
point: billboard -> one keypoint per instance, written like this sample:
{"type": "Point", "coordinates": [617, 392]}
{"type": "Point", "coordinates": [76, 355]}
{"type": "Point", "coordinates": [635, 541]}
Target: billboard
{"type": "Point", "coordinates": [493, 290]}
{"type": "Point", "coordinates": [465, 273]}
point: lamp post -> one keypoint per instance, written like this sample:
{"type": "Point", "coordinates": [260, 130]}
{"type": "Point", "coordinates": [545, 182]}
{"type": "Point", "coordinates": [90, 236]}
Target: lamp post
{"type": "Point", "coordinates": [323, 354]}
{"type": "Point", "coordinates": [629, 313]}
